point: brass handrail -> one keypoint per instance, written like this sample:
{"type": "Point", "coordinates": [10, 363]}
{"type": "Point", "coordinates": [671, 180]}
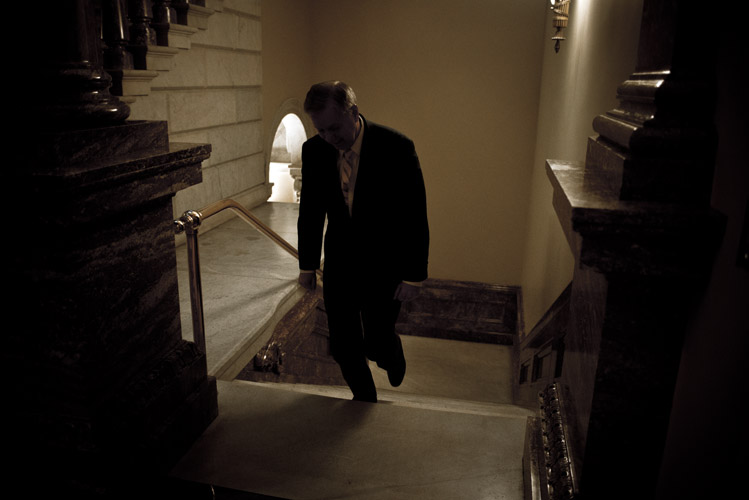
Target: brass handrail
{"type": "Point", "coordinates": [189, 224]}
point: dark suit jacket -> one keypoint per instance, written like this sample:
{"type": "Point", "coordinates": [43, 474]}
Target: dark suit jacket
{"type": "Point", "coordinates": [387, 234]}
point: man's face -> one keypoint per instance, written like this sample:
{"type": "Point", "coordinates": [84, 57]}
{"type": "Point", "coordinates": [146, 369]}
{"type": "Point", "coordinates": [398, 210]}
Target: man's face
{"type": "Point", "coordinates": [336, 127]}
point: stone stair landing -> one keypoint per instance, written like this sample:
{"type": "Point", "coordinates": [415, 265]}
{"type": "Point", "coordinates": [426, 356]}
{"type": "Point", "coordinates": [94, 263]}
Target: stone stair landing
{"type": "Point", "coordinates": [448, 432]}
{"type": "Point", "coordinates": [291, 444]}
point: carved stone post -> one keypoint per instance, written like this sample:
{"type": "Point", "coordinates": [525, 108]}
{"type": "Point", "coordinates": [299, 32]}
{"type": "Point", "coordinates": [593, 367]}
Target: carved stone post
{"type": "Point", "coordinates": [295, 171]}
{"type": "Point", "coordinates": [104, 394]}
{"type": "Point", "coordinates": [141, 33]}
{"type": "Point", "coordinates": [115, 35]}
{"type": "Point", "coordinates": [62, 70]}
{"type": "Point", "coordinates": [163, 15]}
{"type": "Point", "coordinates": [636, 215]}
{"type": "Point", "coordinates": [180, 8]}
{"type": "Point", "coordinates": [659, 143]}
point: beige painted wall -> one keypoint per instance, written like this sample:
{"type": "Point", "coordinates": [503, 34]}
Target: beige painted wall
{"type": "Point", "coordinates": [480, 89]}
{"type": "Point", "coordinates": [579, 83]}
{"type": "Point", "coordinates": [287, 56]}
{"type": "Point", "coordinates": [460, 78]}
{"type": "Point", "coordinates": [467, 81]}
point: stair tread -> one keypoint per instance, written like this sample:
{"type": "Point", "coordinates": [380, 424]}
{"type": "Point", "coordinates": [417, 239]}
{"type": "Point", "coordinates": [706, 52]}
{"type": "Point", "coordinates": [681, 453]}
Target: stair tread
{"type": "Point", "coordinates": [406, 399]}
{"type": "Point", "coordinates": [292, 444]}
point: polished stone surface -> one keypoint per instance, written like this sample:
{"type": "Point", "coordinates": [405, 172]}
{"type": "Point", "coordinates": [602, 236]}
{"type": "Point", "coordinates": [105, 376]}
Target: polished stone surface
{"type": "Point", "coordinates": [245, 276]}
{"type": "Point", "coordinates": [452, 369]}
{"type": "Point", "coordinates": [625, 236]}
{"type": "Point", "coordinates": [640, 266]}
{"type": "Point", "coordinates": [447, 432]}
{"type": "Point", "coordinates": [462, 310]}
{"type": "Point", "coordinates": [296, 445]}
{"type": "Point", "coordinates": [87, 148]}
{"type": "Point", "coordinates": [110, 388]}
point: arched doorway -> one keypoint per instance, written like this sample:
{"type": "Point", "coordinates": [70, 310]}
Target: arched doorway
{"type": "Point", "coordinates": [286, 159]}
{"type": "Point", "coordinates": [285, 165]}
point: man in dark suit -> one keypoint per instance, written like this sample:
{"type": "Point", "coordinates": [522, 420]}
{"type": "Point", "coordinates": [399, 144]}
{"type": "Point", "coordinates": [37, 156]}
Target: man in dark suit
{"type": "Point", "coordinates": [367, 180]}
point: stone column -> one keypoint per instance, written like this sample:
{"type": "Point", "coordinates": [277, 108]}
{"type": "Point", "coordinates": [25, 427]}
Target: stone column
{"type": "Point", "coordinates": [103, 394]}
{"type": "Point", "coordinates": [295, 171]}
{"type": "Point", "coordinates": [636, 215]}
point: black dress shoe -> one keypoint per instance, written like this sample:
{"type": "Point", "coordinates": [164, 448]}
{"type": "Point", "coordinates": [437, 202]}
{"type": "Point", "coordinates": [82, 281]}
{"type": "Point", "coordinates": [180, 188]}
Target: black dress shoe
{"type": "Point", "coordinates": [371, 399]}
{"type": "Point", "coordinates": [397, 372]}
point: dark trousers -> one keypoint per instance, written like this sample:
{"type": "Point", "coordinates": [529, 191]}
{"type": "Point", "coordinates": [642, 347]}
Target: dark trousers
{"type": "Point", "coordinates": [361, 323]}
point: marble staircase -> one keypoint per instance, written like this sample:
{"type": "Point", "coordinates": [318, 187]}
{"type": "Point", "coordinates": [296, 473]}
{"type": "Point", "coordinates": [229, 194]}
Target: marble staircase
{"type": "Point", "coordinates": [449, 431]}
{"type": "Point", "coordinates": [290, 442]}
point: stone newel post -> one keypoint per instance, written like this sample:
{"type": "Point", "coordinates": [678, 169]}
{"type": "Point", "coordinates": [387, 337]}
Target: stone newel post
{"type": "Point", "coordinates": [103, 392]}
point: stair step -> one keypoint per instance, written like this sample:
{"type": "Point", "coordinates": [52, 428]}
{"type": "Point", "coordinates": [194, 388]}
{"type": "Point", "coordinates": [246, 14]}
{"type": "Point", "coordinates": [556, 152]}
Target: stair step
{"type": "Point", "coordinates": [292, 444]}
{"type": "Point", "coordinates": [385, 396]}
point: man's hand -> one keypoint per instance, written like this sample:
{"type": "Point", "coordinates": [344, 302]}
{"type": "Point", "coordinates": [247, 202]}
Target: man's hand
{"type": "Point", "coordinates": [308, 280]}
{"type": "Point", "coordinates": [406, 292]}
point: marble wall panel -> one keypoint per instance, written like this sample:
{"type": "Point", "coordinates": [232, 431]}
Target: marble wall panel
{"type": "Point", "coordinates": [221, 68]}
{"type": "Point", "coordinates": [228, 68]}
{"type": "Point", "coordinates": [222, 31]}
{"type": "Point", "coordinates": [237, 165]}
{"type": "Point", "coordinates": [242, 174]}
{"type": "Point", "coordinates": [212, 94]}
{"type": "Point", "coordinates": [251, 7]}
{"type": "Point", "coordinates": [249, 104]}
{"type": "Point", "coordinates": [249, 34]}
{"type": "Point", "coordinates": [230, 30]}
{"type": "Point", "coordinates": [236, 141]}
{"type": "Point", "coordinates": [188, 70]}
{"type": "Point", "coordinates": [218, 5]}
{"type": "Point", "coordinates": [462, 311]}
{"type": "Point", "coordinates": [251, 70]}
{"type": "Point", "coordinates": [190, 110]}
{"type": "Point", "coordinates": [151, 107]}
{"type": "Point", "coordinates": [200, 195]}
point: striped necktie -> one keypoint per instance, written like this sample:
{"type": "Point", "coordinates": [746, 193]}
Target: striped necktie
{"type": "Point", "coordinates": [346, 169]}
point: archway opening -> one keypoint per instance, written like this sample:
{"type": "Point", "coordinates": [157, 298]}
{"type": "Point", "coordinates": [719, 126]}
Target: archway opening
{"type": "Point", "coordinates": [285, 169]}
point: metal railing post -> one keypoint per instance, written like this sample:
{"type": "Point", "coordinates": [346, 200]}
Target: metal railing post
{"type": "Point", "coordinates": [189, 223]}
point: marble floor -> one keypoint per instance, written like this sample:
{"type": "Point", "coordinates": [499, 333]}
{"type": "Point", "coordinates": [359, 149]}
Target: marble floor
{"type": "Point", "coordinates": [448, 432]}
{"type": "Point", "coordinates": [248, 283]}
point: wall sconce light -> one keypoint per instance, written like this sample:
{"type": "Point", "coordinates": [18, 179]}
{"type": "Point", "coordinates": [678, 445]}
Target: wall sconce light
{"type": "Point", "coordinates": [561, 9]}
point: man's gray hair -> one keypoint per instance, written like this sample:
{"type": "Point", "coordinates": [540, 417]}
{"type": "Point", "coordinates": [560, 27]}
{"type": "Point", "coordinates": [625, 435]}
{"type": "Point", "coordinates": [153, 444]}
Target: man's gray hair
{"type": "Point", "coordinates": [320, 95]}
